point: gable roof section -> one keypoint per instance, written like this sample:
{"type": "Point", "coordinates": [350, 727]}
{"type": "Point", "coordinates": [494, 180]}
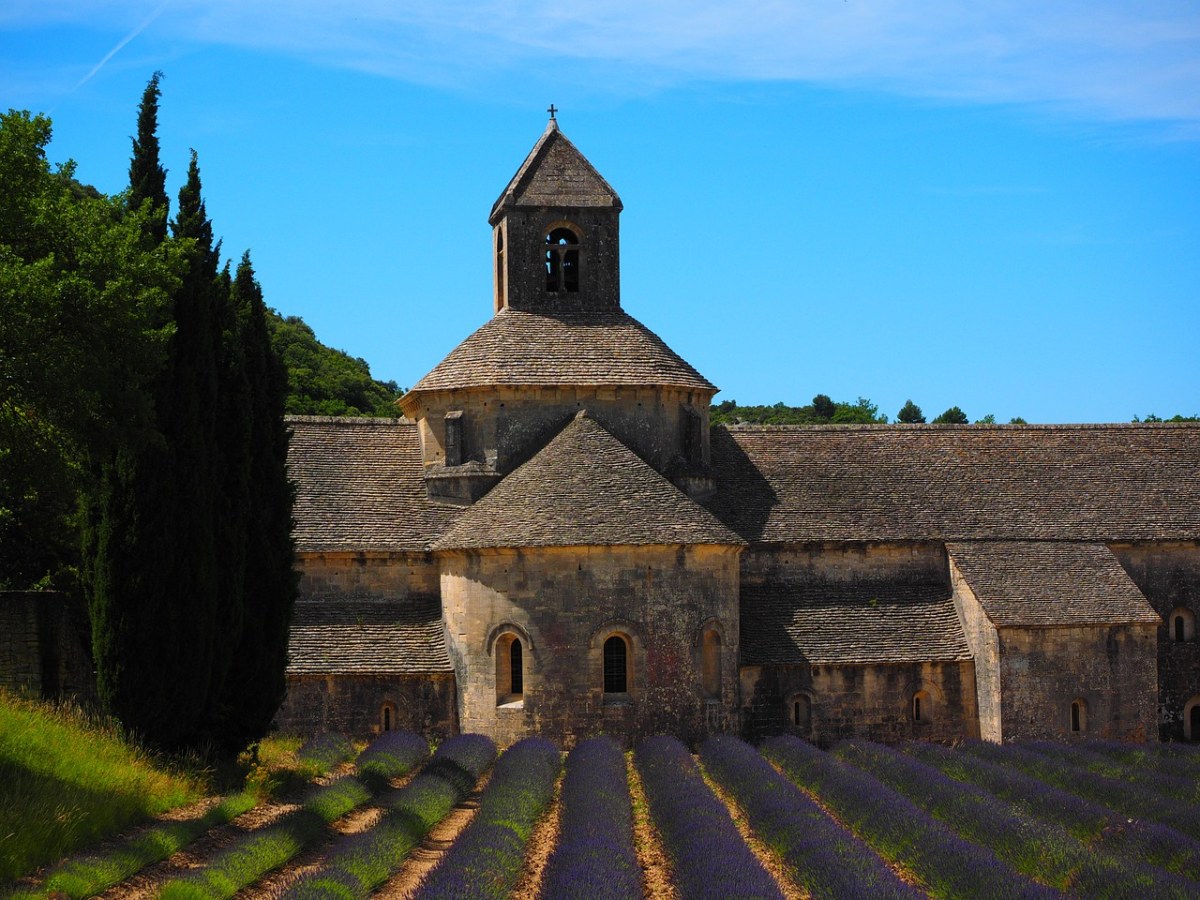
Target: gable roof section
{"type": "Point", "coordinates": [570, 345]}
{"type": "Point", "coordinates": [360, 487]}
{"type": "Point", "coordinates": [849, 622]}
{"type": "Point", "coordinates": [1040, 583]}
{"type": "Point", "coordinates": [368, 637]}
{"type": "Point", "coordinates": [584, 489]}
{"type": "Point", "coordinates": [555, 173]}
{"type": "Point", "coordinates": [1093, 483]}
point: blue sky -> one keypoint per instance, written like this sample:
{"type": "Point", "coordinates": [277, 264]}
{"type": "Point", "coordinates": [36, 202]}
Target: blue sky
{"type": "Point", "coordinates": [993, 205]}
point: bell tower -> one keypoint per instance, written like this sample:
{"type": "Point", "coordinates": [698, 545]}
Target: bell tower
{"type": "Point", "coordinates": [555, 232]}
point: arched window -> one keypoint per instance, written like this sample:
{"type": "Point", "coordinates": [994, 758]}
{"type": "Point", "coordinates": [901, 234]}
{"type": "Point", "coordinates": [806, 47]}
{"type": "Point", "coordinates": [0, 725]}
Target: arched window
{"type": "Point", "coordinates": [922, 708]}
{"type": "Point", "coordinates": [710, 663]}
{"type": "Point", "coordinates": [800, 713]}
{"type": "Point", "coordinates": [1078, 716]}
{"type": "Point", "coordinates": [1182, 624]}
{"type": "Point", "coordinates": [516, 674]}
{"type": "Point", "coordinates": [562, 261]}
{"type": "Point", "coordinates": [387, 717]}
{"type": "Point", "coordinates": [510, 669]}
{"type": "Point", "coordinates": [616, 665]}
{"type": "Point", "coordinates": [1191, 719]}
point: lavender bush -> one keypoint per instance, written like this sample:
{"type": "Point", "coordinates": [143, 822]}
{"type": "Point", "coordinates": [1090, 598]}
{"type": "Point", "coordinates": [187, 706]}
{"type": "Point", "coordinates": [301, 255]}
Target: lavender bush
{"type": "Point", "coordinates": [363, 861]}
{"type": "Point", "coordinates": [324, 751]}
{"type": "Point", "coordinates": [1126, 799]}
{"type": "Point", "coordinates": [486, 859]}
{"type": "Point", "coordinates": [897, 829]}
{"type": "Point", "coordinates": [1106, 831]}
{"type": "Point", "coordinates": [392, 754]}
{"type": "Point", "coordinates": [594, 855]}
{"type": "Point", "coordinates": [825, 859]}
{"type": "Point", "coordinates": [708, 855]}
{"type": "Point", "coordinates": [1085, 758]}
{"type": "Point", "coordinates": [1166, 759]}
{"type": "Point", "coordinates": [1045, 852]}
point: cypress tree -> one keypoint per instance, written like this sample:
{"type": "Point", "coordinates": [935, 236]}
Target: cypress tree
{"type": "Point", "coordinates": [147, 177]}
{"type": "Point", "coordinates": [154, 598]}
{"type": "Point", "coordinates": [255, 685]}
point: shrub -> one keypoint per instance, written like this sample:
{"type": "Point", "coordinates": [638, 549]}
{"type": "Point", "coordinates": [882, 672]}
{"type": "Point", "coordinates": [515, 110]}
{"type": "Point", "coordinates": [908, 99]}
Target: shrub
{"type": "Point", "coordinates": [823, 857]}
{"type": "Point", "coordinates": [486, 859]}
{"type": "Point", "coordinates": [709, 857]}
{"type": "Point", "coordinates": [594, 855]}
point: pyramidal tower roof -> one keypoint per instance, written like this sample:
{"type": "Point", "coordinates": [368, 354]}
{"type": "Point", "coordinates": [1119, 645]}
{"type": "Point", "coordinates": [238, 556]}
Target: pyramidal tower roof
{"type": "Point", "coordinates": [555, 173]}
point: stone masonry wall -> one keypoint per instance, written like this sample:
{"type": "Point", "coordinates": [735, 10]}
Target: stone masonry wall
{"type": "Point", "coordinates": [1169, 576]}
{"type": "Point", "coordinates": [353, 704]}
{"type": "Point", "coordinates": [502, 427]}
{"type": "Point", "coordinates": [845, 562]}
{"type": "Point", "coordinates": [562, 603]}
{"type": "Point", "coordinates": [985, 648]}
{"type": "Point", "coordinates": [1111, 667]}
{"type": "Point", "coordinates": [873, 702]}
{"type": "Point", "coordinates": [367, 576]}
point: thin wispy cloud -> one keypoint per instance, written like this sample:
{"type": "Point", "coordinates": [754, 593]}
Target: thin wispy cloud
{"type": "Point", "coordinates": [142, 26]}
{"type": "Point", "coordinates": [1107, 60]}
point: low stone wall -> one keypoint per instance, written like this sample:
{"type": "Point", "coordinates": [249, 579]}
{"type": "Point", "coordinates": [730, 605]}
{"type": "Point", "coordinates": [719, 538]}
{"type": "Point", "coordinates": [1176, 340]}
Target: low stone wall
{"type": "Point", "coordinates": [42, 652]}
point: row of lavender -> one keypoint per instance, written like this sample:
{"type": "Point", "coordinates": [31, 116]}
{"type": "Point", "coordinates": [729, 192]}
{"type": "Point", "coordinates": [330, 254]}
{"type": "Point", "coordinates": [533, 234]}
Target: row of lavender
{"type": "Point", "coordinates": [1041, 850]}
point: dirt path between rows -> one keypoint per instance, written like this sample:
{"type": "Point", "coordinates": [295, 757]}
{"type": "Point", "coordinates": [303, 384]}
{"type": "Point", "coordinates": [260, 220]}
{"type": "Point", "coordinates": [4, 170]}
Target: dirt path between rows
{"type": "Point", "coordinates": [148, 882]}
{"type": "Point", "coordinates": [422, 859]}
{"type": "Point", "coordinates": [658, 881]}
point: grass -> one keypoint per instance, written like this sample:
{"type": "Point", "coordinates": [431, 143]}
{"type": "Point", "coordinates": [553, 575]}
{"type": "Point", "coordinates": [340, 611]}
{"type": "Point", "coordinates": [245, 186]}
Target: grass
{"type": "Point", "coordinates": [68, 780]}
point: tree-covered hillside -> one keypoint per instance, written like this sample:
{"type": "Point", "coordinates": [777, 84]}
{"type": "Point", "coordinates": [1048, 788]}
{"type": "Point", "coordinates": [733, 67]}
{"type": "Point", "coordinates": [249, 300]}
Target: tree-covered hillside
{"type": "Point", "coordinates": [323, 381]}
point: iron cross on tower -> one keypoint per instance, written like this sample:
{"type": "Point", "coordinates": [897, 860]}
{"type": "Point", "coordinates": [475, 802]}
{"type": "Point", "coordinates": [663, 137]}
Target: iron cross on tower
{"type": "Point", "coordinates": [552, 110]}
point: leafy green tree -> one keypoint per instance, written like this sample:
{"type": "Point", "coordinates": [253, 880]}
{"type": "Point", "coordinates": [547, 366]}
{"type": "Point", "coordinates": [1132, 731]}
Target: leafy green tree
{"type": "Point", "coordinates": [1017, 420]}
{"type": "Point", "coordinates": [81, 302]}
{"type": "Point", "coordinates": [952, 416]}
{"type": "Point", "coordinates": [861, 412]}
{"type": "Point", "coordinates": [910, 414]}
{"type": "Point", "coordinates": [823, 407]}
{"type": "Point", "coordinates": [989, 419]}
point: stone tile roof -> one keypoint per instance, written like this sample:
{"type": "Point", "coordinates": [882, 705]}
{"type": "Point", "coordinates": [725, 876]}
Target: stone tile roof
{"type": "Point", "coordinates": [584, 488]}
{"type": "Point", "coordinates": [918, 482]}
{"type": "Point", "coordinates": [555, 173]}
{"type": "Point", "coordinates": [1045, 583]}
{"type": "Point", "coordinates": [368, 637]}
{"type": "Point", "coordinates": [850, 622]}
{"type": "Point", "coordinates": [569, 345]}
{"type": "Point", "coordinates": [359, 486]}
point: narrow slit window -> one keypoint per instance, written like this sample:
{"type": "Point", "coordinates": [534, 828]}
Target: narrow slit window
{"type": "Point", "coordinates": [616, 665]}
{"type": "Point", "coordinates": [710, 667]}
{"type": "Point", "coordinates": [516, 671]}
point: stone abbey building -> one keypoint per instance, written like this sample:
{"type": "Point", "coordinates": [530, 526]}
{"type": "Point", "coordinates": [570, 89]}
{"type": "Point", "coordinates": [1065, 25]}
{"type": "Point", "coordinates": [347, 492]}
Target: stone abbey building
{"type": "Point", "coordinates": [554, 540]}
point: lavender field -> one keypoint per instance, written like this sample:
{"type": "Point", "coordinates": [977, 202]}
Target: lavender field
{"type": "Point", "coordinates": [785, 819]}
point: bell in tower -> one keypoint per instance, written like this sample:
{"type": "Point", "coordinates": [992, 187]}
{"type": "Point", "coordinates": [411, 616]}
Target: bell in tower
{"type": "Point", "coordinates": [556, 231]}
